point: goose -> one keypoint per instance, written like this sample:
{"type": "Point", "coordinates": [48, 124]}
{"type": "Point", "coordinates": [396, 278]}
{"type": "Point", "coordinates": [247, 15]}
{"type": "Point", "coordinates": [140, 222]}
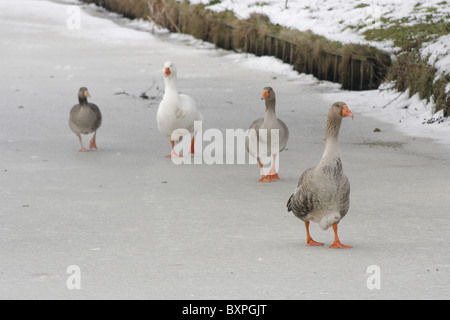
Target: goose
{"type": "Point", "coordinates": [85, 118]}
{"type": "Point", "coordinates": [259, 145]}
{"type": "Point", "coordinates": [323, 193]}
{"type": "Point", "coordinates": [176, 111]}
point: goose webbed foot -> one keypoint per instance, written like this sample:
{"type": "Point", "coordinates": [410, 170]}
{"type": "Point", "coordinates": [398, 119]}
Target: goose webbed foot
{"type": "Point", "coordinates": [274, 176]}
{"type": "Point", "coordinates": [173, 154]}
{"type": "Point", "coordinates": [266, 179]}
{"type": "Point", "coordinates": [83, 149]}
{"type": "Point", "coordinates": [337, 244]}
{"type": "Point", "coordinates": [309, 241]}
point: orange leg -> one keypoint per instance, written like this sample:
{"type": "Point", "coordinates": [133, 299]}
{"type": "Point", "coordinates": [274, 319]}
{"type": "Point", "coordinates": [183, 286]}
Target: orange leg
{"type": "Point", "coordinates": [173, 154]}
{"type": "Point", "coordinates": [309, 240]}
{"type": "Point", "coordinates": [272, 173]}
{"type": "Point", "coordinates": [192, 144]}
{"type": "Point", "coordinates": [263, 177]}
{"type": "Point", "coordinates": [274, 176]}
{"type": "Point", "coordinates": [92, 144]}
{"type": "Point", "coordinates": [337, 244]}
{"type": "Point", "coordinates": [83, 149]}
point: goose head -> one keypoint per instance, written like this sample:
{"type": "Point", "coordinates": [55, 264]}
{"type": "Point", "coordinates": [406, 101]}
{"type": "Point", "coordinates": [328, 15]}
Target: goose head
{"type": "Point", "coordinates": [169, 69]}
{"type": "Point", "coordinates": [83, 94]}
{"type": "Point", "coordinates": [268, 94]}
{"type": "Point", "coordinates": [340, 110]}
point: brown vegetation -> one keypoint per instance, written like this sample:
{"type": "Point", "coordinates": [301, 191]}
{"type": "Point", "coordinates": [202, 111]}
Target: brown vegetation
{"type": "Point", "coordinates": [411, 71]}
{"type": "Point", "coordinates": [355, 67]}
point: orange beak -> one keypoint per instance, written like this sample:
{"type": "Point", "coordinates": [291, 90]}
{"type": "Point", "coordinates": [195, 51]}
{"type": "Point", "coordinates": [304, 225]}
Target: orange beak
{"type": "Point", "coordinates": [265, 94]}
{"type": "Point", "coordinates": [346, 112]}
{"type": "Point", "coordinates": [167, 71]}
{"type": "Point", "coordinates": [86, 94]}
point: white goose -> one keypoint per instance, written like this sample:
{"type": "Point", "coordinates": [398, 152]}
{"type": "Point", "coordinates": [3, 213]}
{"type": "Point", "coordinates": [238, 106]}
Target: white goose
{"type": "Point", "coordinates": [323, 192]}
{"type": "Point", "coordinates": [176, 111]}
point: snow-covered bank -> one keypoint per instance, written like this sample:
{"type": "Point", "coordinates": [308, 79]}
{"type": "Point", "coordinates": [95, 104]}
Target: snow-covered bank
{"type": "Point", "coordinates": [346, 21]}
{"type": "Point", "coordinates": [438, 52]}
{"type": "Point", "coordinates": [411, 115]}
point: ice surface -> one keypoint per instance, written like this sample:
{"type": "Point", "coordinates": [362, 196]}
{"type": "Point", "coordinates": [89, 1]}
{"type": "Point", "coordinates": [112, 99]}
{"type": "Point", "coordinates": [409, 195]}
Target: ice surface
{"type": "Point", "coordinates": [139, 226]}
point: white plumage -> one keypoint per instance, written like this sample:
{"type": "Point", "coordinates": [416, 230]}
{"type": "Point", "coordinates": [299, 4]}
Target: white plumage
{"type": "Point", "coordinates": [176, 111]}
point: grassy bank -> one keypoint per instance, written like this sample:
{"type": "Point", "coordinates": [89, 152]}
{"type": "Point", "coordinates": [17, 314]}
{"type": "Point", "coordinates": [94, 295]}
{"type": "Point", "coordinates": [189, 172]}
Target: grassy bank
{"type": "Point", "coordinates": [355, 67]}
{"type": "Point", "coordinates": [412, 70]}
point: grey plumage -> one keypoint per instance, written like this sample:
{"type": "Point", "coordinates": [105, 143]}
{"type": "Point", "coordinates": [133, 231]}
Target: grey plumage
{"type": "Point", "coordinates": [269, 122]}
{"type": "Point", "coordinates": [323, 193]}
{"type": "Point", "coordinates": [85, 117]}
{"type": "Point", "coordinates": [322, 197]}
{"type": "Point", "coordinates": [267, 136]}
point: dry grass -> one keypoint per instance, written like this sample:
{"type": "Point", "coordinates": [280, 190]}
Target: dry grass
{"type": "Point", "coordinates": [411, 71]}
{"type": "Point", "coordinates": [355, 67]}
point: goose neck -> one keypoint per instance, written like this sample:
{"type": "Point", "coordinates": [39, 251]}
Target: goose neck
{"type": "Point", "coordinates": [331, 150]}
{"type": "Point", "coordinates": [270, 110]}
{"type": "Point", "coordinates": [82, 100]}
{"type": "Point", "coordinates": [171, 83]}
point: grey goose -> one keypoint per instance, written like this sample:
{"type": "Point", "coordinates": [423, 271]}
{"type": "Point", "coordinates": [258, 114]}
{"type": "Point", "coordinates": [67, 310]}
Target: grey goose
{"type": "Point", "coordinates": [323, 193]}
{"type": "Point", "coordinates": [85, 118]}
